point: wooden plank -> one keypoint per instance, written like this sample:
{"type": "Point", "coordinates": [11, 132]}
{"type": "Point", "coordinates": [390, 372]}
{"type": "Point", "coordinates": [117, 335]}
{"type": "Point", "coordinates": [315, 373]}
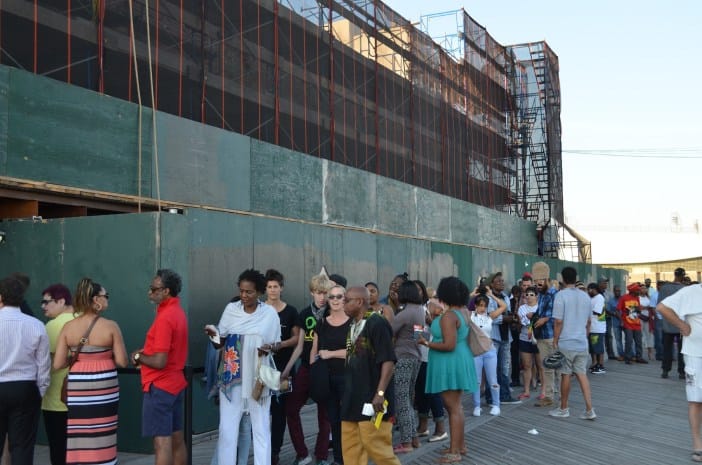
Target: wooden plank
{"type": "Point", "coordinates": [642, 420]}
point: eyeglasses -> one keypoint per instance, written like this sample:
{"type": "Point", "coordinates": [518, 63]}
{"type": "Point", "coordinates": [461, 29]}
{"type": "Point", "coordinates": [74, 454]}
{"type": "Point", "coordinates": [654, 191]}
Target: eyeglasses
{"type": "Point", "coordinates": [530, 294]}
{"type": "Point", "coordinates": [105, 295]}
{"type": "Point", "coordinates": [335, 296]}
{"type": "Point", "coordinates": [154, 289]}
{"type": "Point", "coordinates": [45, 301]}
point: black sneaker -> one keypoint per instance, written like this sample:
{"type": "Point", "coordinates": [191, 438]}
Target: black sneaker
{"type": "Point", "coordinates": [664, 375]}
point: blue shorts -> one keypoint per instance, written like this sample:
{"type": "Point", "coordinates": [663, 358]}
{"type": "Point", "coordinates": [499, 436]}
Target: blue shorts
{"type": "Point", "coordinates": [162, 412]}
{"type": "Point", "coordinates": [596, 343]}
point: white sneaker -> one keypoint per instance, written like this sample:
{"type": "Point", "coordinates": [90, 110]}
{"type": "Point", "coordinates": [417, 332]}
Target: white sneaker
{"type": "Point", "coordinates": [303, 461]}
{"type": "Point", "coordinates": [476, 412]}
{"type": "Point", "coordinates": [560, 413]}
{"type": "Point", "coordinates": [588, 415]}
{"type": "Point", "coordinates": [495, 410]}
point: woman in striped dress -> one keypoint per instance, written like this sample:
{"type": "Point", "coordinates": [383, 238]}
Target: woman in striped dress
{"type": "Point", "coordinates": [93, 388]}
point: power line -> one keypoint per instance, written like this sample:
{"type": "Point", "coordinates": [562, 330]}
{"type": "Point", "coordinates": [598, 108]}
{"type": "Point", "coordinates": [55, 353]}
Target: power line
{"type": "Point", "coordinates": [659, 153]}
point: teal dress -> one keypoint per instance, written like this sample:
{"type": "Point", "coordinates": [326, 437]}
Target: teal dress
{"type": "Point", "coordinates": [450, 371]}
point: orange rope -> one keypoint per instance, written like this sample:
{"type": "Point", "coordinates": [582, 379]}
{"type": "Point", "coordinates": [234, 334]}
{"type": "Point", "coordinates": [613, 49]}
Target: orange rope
{"type": "Point", "coordinates": [180, 64]}
{"type": "Point", "coordinates": [36, 26]}
{"type": "Point", "coordinates": [68, 41]}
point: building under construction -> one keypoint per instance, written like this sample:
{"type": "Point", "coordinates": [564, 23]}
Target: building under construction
{"type": "Point", "coordinates": [349, 81]}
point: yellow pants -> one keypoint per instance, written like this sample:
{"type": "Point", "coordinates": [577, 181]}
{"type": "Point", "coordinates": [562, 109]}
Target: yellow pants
{"type": "Point", "coordinates": [360, 441]}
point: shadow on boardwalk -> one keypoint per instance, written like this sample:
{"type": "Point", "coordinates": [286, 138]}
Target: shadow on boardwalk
{"type": "Point", "coordinates": [642, 420]}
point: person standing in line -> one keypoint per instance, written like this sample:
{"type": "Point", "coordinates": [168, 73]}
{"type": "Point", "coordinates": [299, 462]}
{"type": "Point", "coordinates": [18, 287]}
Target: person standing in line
{"type": "Point", "coordinates": [629, 308]}
{"type": "Point", "coordinates": [289, 333]}
{"type": "Point", "coordinates": [543, 327]}
{"type": "Point", "coordinates": [598, 330]}
{"type": "Point", "coordinates": [407, 325]}
{"type": "Point", "coordinates": [451, 368]}
{"type": "Point", "coordinates": [616, 322]}
{"type": "Point", "coordinates": [329, 344]}
{"type": "Point", "coordinates": [56, 303]}
{"type": "Point", "coordinates": [307, 321]}
{"type": "Point", "coordinates": [571, 316]}
{"type": "Point", "coordinates": [24, 373]}
{"type": "Point", "coordinates": [670, 332]}
{"type": "Point", "coordinates": [370, 361]}
{"type": "Point", "coordinates": [162, 360]}
{"type": "Point", "coordinates": [92, 384]}
{"type": "Point", "coordinates": [683, 310]}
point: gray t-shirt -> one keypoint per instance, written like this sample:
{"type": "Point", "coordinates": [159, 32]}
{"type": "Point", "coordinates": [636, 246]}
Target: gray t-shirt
{"type": "Point", "coordinates": [573, 307]}
{"type": "Point", "coordinates": [666, 291]}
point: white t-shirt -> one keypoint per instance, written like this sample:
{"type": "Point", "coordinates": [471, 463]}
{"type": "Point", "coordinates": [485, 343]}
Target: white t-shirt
{"type": "Point", "coordinates": [687, 304]}
{"type": "Point", "coordinates": [483, 321]}
{"type": "Point", "coordinates": [524, 319]}
{"type": "Point", "coordinates": [598, 323]}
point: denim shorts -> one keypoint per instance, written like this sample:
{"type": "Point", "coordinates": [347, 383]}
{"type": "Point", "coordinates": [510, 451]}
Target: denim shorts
{"type": "Point", "coordinates": [162, 412]}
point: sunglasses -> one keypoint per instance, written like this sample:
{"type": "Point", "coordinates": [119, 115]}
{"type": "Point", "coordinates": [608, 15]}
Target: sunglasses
{"type": "Point", "coordinates": [44, 302]}
{"type": "Point", "coordinates": [107, 296]}
{"type": "Point", "coordinates": [154, 289]}
{"type": "Point", "coordinates": [336, 296]}
{"type": "Point", "coordinates": [530, 294]}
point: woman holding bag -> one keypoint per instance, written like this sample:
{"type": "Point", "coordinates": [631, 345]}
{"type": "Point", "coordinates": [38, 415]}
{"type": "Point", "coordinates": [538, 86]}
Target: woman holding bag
{"type": "Point", "coordinates": [248, 330]}
{"type": "Point", "coordinates": [93, 388]}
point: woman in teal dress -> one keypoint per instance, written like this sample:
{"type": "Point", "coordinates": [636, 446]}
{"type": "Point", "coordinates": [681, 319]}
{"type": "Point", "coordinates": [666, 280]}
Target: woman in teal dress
{"type": "Point", "coordinates": [450, 370]}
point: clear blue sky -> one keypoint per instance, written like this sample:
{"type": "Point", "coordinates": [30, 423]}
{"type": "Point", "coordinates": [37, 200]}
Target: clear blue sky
{"type": "Point", "coordinates": [631, 82]}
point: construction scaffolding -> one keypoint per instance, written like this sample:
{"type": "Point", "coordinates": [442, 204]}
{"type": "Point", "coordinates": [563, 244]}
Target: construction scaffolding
{"type": "Point", "coordinates": [347, 80]}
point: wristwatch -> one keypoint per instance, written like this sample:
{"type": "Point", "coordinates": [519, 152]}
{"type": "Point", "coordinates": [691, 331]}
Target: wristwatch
{"type": "Point", "coordinates": [136, 357]}
{"type": "Point", "coordinates": [381, 393]}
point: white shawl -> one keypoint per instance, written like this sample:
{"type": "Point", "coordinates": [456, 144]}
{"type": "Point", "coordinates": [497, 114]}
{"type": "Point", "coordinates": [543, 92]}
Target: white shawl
{"type": "Point", "coordinates": [259, 328]}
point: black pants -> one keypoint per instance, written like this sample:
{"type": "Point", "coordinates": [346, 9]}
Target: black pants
{"type": "Point", "coordinates": [55, 424]}
{"type": "Point", "coordinates": [667, 364]}
{"type": "Point", "coordinates": [514, 352]}
{"type": "Point", "coordinates": [608, 338]}
{"type": "Point", "coordinates": [20, 404]}
{"type": "Point", "coordinates": [337, 382]}
{"type": "Point", "coordinates": [277, 424]}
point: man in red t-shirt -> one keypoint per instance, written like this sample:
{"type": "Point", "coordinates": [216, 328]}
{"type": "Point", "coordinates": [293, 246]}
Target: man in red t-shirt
{"type": "Point", "coordinates": [628, 306]}
{"type": "Point", "coordinates": [162, 360]}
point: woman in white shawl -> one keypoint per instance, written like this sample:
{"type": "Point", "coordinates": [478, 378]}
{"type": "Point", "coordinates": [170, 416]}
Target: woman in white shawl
{"type": "Point", "coordinates": [248, 328]}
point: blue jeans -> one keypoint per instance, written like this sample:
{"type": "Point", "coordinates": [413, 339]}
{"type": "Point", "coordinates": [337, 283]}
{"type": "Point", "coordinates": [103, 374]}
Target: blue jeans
{"type": "Point", "coordinates": [617, 332]}
{"type": "Point", "coordinates": [243, 444]}
{"type": "Point", "coordinates": [488, 361]}
{"type": "Point", "coordinates": [503, 370]}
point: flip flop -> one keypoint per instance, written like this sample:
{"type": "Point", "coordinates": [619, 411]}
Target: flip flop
{"type": "Point", "coordinates": [697, 456]}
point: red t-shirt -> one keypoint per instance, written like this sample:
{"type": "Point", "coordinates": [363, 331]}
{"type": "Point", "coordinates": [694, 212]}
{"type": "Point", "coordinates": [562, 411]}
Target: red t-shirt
{"type": "Point", "coordinates": [626, 303]}
{"type": "Point", "coordinates": [169, 334]}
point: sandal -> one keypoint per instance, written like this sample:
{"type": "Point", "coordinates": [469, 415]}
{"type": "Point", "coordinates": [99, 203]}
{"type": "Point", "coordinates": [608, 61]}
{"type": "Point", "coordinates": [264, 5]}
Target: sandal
{"type": "Point", "coordinates": [450, 458]}
{"type": "Point", "coordinates": [402, 449]}
{"type": "Point", "coordinates": [697, 456]}
{"type": "Point", "coordinates": [523, 395]}
{"type": "Point", "coordinates": [447, 450]}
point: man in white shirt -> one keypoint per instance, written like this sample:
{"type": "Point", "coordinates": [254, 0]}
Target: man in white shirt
{"type": "Point", "coordinates": [598, 329]}
{"type": "Point", "coordinates": [684, 311]}
{"type": "Point", "coordinates": [24, 373]}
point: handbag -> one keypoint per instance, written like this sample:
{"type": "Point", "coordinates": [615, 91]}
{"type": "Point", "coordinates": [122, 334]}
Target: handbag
{"type": "Point", "coordinates": [73, 358]}
{"type": "Point", "coordinates": [478, 341]}
{"type": "Point", "coordinates": [266, 376]}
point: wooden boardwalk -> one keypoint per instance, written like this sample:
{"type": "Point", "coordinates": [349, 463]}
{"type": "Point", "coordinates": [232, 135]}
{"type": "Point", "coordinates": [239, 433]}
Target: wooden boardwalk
{"type": "Point", "coordinates": [642, 420]}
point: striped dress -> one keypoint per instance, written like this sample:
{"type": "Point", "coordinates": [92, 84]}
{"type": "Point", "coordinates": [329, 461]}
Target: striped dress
{"type": "Point", "coordinates": [93, 398]}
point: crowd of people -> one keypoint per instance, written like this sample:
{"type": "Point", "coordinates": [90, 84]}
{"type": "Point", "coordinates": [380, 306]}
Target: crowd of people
{"type": "Point", "coordinates": [66, 371]}
{"type": "Point", "coordinates": [367, 361]}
